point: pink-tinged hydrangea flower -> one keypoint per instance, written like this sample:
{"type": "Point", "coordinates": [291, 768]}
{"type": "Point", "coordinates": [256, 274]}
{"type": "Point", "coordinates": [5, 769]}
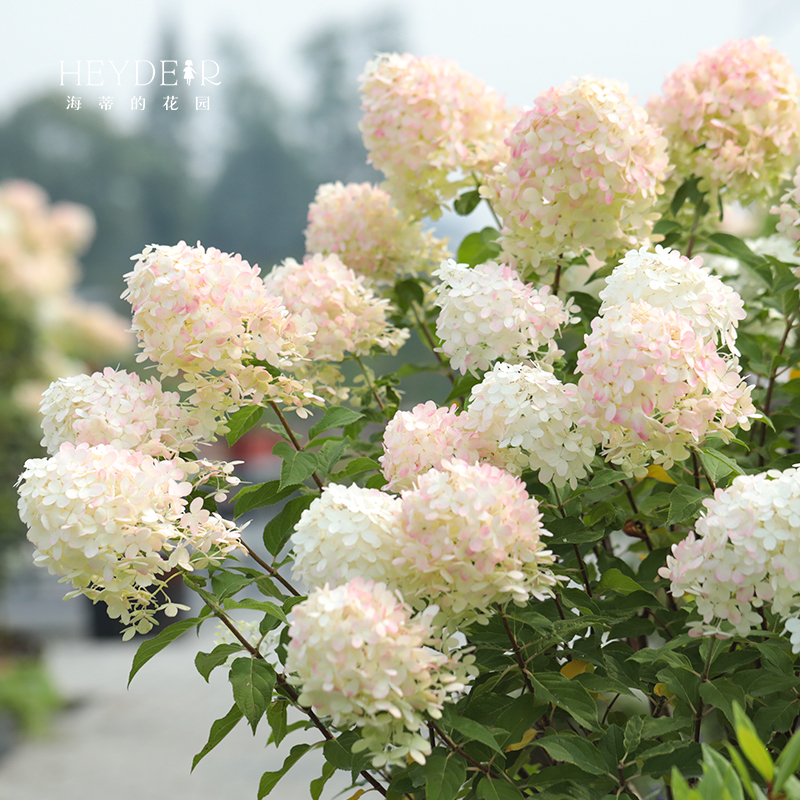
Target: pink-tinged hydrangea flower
{"type": "Point", "coordinates": [350, 318]}
{"type": "Point", "coordinates": [672, 281]}
{"type": "Point", "coordinates": [358, 222]}
{"type": "Point", "coordinates": [472, 537]}
{"type": "Point", "coordinates": [744, 554]}
{"type": "Point", "coordinates": [789, 210]}
{"type": "Point", "coordinates": [489, 313]}
{"type": "Point", "coordinates": [585, 169]}
{"type": "Point", "coordinates": [417, 440]}
{"type": "Point", "coordinates": [358, 656]}
{"type": "Point", "coordinates": [428, 125]}
{"type": "Point", "coordinates": [733, 119]}
{"type": "Point", "coordinates": [114, 523]}
{"type": "Point", "coordinates": [651, 388]}
{"type": "Point", "coordinates": [120, 409]}
{"type": "Point", "coordinates": [533, 419]}
{"type": "Point", "coordinates": [345, 533]}
{"type": "Point", "coordinates": [208, 316]}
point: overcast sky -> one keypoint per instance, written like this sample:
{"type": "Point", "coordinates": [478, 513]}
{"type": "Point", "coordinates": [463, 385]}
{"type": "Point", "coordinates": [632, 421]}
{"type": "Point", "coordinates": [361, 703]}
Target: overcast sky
{"type": "Point", "coordinates": [519, 47]}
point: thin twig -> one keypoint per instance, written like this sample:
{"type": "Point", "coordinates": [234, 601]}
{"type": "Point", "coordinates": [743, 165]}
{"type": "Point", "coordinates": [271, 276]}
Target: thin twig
{"type": "Point", "coordinates": [271, 570]}
{"type": "Point", "coordinates": [370, 383]}
{"type": "Point", "coordinates": [517, 653]}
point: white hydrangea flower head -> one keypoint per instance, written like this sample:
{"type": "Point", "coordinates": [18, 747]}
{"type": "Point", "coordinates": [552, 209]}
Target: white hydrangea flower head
{"type": "Point", "coordinates": [667, 279]}
{"type": "Point", "coordinates": [651, 388]}
{"type": "Point", "coordinates": [118, 408]}
{"type": "Point", "coordinates": [358, 222]}
{"type": "Point", "coordinates": [533, 418]}
{"type": "Point", "coordinates": [208, 316]}
{"type": "Point", "coordinates": [358, 656]}
{"type": "Point", "coordinates": [488, 313]}
{"type": "Point", "coordinates": [472, 537]}
{"type": "Point", "coordinates": [115, 522]}
{"type": "Point", "coordinates": [417, 440]}
{"type": "Point", "coordinates": [744, 554]}
{"type": "Point", "coordinates": [789, 212]}
{"type": "Point", "coordinates": [428, 126]}
{"type": "Point", "coordinates": [348, 531]}
{"type": "Point", "coordinates": [733, 119]}
{"type": "Point", "coordinates": [350, 318]}
{"type": "Point", "coordinates": [585, 169]}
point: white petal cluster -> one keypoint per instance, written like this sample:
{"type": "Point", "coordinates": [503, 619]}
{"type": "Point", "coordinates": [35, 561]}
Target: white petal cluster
{"type": "Point", "coordinates": [416, 440]}
{"type": "Point", "coordinates": [743, 555]}
{"type": "Point", "coordinates": [116, 407]}
{"type": "Point", "coordinates": [345, 533]}
{"type": "Point", "coordinates": [651, 388]}
{"type": "Point", "coordinates": [671, 281]}
{"type": "Point", "coordinates": [533, 418]}
{"type": "Point", "coordinates": [115, 522]}
{"type": "Point", "coordinates": [472, 537]}
{"type": "Point", "coordinates": [488, 313]}
{"type": "Point", "coordinates": [358, 656]}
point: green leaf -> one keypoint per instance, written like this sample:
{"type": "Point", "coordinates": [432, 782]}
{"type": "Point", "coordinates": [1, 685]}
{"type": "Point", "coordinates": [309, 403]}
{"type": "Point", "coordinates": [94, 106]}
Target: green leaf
{"type": "Point", "coordinates": [278, 530]}
{"type": "Point", "coordinates": [633, 734]}
{"type": "Point", "coordinates": [270, 779]}
{"type": "Point", "coordinates": [407, 292]}
{"type": "Point", "coordinates": [276, 719]}
{"type": "Point", "coordinates": [462, 387]}
{"type": "Point", "coordinates": [339, 753]}
{"type": "Point", "coordinates": [614, 579]}
{"type": "Point", "coordinates": [497, 789]}
{"type": "Point", "coordinates": [241, 421]}
{"type": "Point", "coordinates": [219, 730]}
{"type": "Point", "coordinates": [258, 605]}
{"type": "Point", "coordinates": [736, 247]}
{"type": "Point", "coordinates": [206, 662]}
{"type": "Point", "coordinates": [717, 464]}
{"type": "Point", "coordinates": [467, 202]}
{"type": "Point", "coordinates": [684, 503]}
{"type": "Point", "coordinates": [355, 467]}
{"type": "Point", "coordinates": [471, 729]}
{"type": "Point", "coordinates": [574, 750]}
{"type": "Point", "coordinates": [149, 647]}
{"type": "Point", "coordinates": [264, 494]}
{"type": "Point", "coordinates": [444, 776]}
{"type": "Point", "coordinates": [335, 417]}
{"type": "Point", "coordinates": [297, 464]}
{"type": "Point", "coordinates": [318, 784]}
{"type": "Point", "coordinates": [571, 530]}
{"type": "Point", "coordinates": [478, 248]}
{"type": "Point", "coordinates": [605, 477]}
{"type": "Point", "coordinates": [788, 762]}
{"type": "Point", "coordinates": [568, 695]}
{"type": "Point", "coordinates": [752, 746]}
{"type": "Point", "coordinates": [252, 680]}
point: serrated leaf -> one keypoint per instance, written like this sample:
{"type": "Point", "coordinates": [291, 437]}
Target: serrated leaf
{"type": "Point", "coordinates": [717, 464]}
{"type": "Point", "coordinates": [684, 503]}
{"type": "Point", "coordinates": [278, 530]}
{"type": "Point", "coordinates": [467, 202]}
{"type": "Point", "coordinates": [318, 784]}
{"type": "Point", "coordinates": [568, 695]}
{"type": "Point", "coordinates": [149, 647]}
{"type": "Point", "coordinates": [276, 719]}
{"type": "Point", "coordinates": [219, 730]}
{"type": "Point", "coordinates": [206, 662]}
{"type": "Point", "coordinates": [605, 477]}
{"type": "Point", "coordinates": [252, 680]}
{"type": "Point", "coordinates": [614, 579]}
{"type": "Point", "coordinates": [297, 464]}
{"type": "Point", "coordinates": [258, 605]}
{"type": "Point", "coordinates": [264, 494]}
{"type": "Point", "coordinates": [471, 729]}
{"type": "Point", "coordinates": [355, 467]}
{"type": "Point", "coordinates": [242, 421]}
{"type": "Point", "coordinates": [574, 750]}
{"type": "Point", "coordinates": [339, 753]}
{"type": "Point", "coordinates": [334, 417]}
{"type": "Point", "coordinates": [270, 779]}
{"type": "Point", "coordinates": [497, 789]}
{"type": "Point", "coordinates": [736, 247]}
{"type": "Point", "coordinates": [633, 734]}
{"type": "Point", "coordinates": [444, 776]}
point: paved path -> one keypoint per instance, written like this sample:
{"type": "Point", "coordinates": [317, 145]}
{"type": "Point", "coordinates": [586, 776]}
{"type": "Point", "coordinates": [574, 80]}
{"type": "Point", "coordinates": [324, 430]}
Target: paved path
{"type": "Point", "coordinates": [115, 743]}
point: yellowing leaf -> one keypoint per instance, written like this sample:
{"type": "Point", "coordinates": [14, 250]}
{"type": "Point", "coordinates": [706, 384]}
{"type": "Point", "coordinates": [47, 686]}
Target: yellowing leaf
{"type": "Point", "coordinates": [576, 667]}
{"type": "Point", "coordinates": [660, 690]}
{"type": "Point", "coordinates": [527, 738]}
{"type": "Point", "coordinates": [795, 373]}
{"type": "Point", "coordinates": [659, 473]}
{"type": "Point", "coordinates": [357, 794]}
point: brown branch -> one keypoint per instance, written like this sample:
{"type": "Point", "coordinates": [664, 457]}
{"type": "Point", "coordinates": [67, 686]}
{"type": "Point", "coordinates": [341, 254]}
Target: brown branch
{"type": "Point", "coordinates": [293, 440]}
{"type": "Point", "coordinates": [271, 570]}
{"type": "Point", "coordinates": [517, 653]}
